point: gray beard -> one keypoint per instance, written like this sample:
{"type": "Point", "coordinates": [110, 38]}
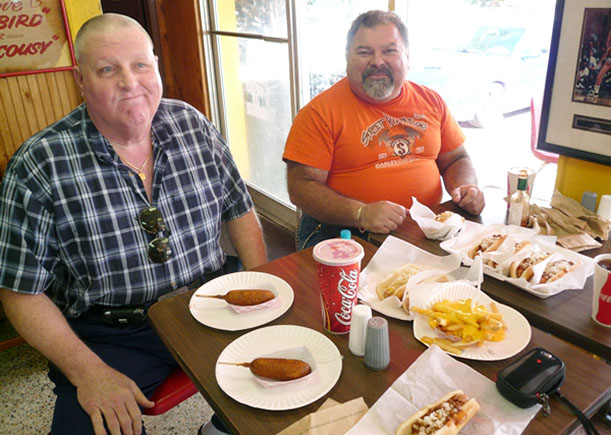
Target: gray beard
{"type": "Point", "coordinates": [378, 89]}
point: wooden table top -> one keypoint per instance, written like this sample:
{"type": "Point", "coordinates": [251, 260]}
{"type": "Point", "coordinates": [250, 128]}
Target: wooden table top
{"type": "Point", "coordinates": [566, 315]}
{"type": "Point", "coordinates": [197, 347]}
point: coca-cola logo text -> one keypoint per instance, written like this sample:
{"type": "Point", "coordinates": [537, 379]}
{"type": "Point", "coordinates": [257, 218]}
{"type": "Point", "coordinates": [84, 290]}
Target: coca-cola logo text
{"type": "Point", "coordinates": [347, 286]}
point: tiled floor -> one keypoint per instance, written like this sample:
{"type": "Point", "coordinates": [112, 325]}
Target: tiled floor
{"type": "Point", "coordinates": [26, 397]}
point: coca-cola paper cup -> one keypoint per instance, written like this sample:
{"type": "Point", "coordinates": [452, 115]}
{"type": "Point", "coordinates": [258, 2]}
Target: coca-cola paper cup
{"type": "Point", "coordinates": [601, 300]}
{"type": "Point", "coordinates": [339, 267]}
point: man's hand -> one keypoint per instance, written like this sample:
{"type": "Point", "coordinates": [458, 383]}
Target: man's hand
{"type": "Point", "coordinates": [381, 217]}
{"type": "Point", "coordinates": [469, 198]}
{"type": "Point", "coordinates": [112, 397]}
{"type": "Point", "coordinates": [104, 393]}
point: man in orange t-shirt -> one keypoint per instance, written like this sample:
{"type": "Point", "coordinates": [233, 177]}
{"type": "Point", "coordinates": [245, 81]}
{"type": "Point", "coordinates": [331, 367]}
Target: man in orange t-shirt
{"type": "Point", "coordinates": [359, 151]}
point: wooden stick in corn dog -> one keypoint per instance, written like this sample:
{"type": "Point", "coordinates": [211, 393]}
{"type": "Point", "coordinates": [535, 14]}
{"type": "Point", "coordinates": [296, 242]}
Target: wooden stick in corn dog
{"type": "Point", "coordinates": [243, 297]}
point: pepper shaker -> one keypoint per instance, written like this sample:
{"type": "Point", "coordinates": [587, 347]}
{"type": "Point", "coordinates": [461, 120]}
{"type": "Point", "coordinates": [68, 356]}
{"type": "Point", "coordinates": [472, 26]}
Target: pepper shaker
{"type": "Point", "coordinates": [377, 348]}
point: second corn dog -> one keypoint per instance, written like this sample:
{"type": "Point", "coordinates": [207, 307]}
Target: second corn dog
{"type": "Point", "coordinates": [280, 369]}
{"type": "Point", "coordinates": [244, 297]}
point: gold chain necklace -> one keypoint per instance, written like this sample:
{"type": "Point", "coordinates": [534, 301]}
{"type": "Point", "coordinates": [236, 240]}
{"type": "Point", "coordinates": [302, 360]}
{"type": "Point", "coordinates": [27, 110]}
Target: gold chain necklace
{"type": "Point", "coordinates": [141, 174]}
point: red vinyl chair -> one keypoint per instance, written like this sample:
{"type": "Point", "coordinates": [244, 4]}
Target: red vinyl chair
{"type": "Point", "coordinates": [535, 120]}
{"type": "Point", "coordinates": [176, 388]}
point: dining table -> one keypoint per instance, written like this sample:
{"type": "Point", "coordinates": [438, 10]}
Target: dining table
{"type": "Point", "coordinates": [196, 347]}
{"type": "Point", "coordinates": [566, 315]}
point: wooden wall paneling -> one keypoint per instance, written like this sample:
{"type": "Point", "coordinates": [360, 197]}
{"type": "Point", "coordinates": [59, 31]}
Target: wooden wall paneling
{"type": "Point", "coordinates": [37, 100]}
{"type": "Point", "coordinates": [47, 101]}
{"type": "Point", "coordinates": [73, 91]}
{"type": "Point", "coordinates": [15, 111]}
{"type": "Point", "coordinates": [6, 140]}
{"type": "Point", "coordinates": [66, 92]}
{"type": "Point", "coordinates": [182, 50]}
{"type": "Point", "coordinates": [30, 103]}
{"type": "Point", "coordinates": [30, 122]}
{"type": "Point", "coordinates": [56, 106]}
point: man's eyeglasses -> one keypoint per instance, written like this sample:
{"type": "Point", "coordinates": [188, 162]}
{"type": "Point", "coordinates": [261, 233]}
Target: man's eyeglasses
{"type": "Point", "coordinates": [151, 221]}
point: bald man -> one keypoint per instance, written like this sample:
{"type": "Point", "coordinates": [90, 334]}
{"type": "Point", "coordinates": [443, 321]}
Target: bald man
{"type": "Point", "coordinates": [101, 213]}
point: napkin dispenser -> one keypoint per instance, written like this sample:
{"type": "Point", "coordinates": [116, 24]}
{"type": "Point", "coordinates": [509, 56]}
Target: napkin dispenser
{"type": "Point", "coordinates": [531, 379]}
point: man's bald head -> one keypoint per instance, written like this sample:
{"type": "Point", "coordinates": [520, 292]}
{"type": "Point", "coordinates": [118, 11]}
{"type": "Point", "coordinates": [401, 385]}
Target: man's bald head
{"type": "Point", "coordinates": [104, 23]}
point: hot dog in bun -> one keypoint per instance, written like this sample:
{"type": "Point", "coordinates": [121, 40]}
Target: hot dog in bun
{"type": "Point", "coordinates": [395, 282]}
{"type": "Point", "coordinates": [487, 244]}
{"type": "Point", "coordinates": [524, 268]}
{"type": "Point", "coordinates": [516, 248]}
{"type": "Point", "coordinates": [554, 270]}
{"type": "Point", "coordinates": [447, 416]}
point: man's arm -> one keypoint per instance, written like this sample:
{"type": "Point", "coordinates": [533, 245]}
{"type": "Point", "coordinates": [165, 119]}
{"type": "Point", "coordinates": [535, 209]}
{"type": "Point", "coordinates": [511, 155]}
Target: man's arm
{"type": "Point", "coordinates": [308, 191]}
{"type": "Point", "coordinates": [247, 239]}
{"type": "Point", "coordinates": [460, 180]}
{"type": "Point", "coordinates": [104, 393]}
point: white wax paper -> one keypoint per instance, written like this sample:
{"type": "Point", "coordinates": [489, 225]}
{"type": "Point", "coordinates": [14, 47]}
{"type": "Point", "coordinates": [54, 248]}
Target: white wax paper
{"type": "Point", "coordinates": [432, 229]}
{"type": "Point", "coordinates": [395, 253]}
{"type": "Point", "coordinates": [429, 378]}
{"type": "Point", "coordinates": [473, 232]}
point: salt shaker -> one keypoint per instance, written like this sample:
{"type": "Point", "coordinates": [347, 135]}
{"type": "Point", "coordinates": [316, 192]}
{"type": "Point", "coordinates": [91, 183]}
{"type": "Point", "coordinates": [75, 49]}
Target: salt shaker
{"type": "Point", "coordinates": [588, 200]}
{"type": "Point", "coordinates": [358, 329]}
{"type": "Point", "coordinates": [377, 349]}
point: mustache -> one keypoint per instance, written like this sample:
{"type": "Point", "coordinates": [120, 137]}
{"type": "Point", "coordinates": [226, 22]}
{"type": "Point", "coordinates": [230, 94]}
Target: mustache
{"type": "Point", "coordinates": [375, 70]}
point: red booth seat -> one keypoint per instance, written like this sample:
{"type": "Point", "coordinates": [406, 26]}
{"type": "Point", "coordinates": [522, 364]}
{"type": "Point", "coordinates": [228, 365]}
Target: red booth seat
{"type": "Point", "coordinates": [176, 388]}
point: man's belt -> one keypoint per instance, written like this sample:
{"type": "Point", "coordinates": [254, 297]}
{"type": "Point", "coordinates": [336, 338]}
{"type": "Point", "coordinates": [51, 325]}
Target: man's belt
{"type": "Point", "coordinates": [125, 315]}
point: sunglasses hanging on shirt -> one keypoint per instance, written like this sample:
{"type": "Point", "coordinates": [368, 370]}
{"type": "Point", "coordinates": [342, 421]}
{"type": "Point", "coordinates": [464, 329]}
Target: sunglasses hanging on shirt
{"type": "Point", "coordinates": [151, 220]}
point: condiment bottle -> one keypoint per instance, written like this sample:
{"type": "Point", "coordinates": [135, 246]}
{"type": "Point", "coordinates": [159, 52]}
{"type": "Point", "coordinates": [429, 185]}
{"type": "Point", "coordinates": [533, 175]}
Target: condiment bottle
{"type": "Point", "coordinates": [519, 207]}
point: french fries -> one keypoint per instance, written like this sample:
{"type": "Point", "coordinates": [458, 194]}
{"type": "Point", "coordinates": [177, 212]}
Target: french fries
{"type": "Point", "coordinates": [463, 324]}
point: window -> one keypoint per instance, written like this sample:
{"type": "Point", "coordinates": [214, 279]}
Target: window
{"type": "Point", "coordinates": [487, 67]}
{"type": "Point", "coordinates": [256, 86]}
{"type": "Point", "coordinates": [270, 57]}
{"type": "Point", "coordinates": [250, 49]}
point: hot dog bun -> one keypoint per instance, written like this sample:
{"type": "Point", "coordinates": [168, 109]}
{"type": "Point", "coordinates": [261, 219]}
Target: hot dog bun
{"type": "Point", "coordinates": [524, 268]}
{"type": "Point", "coordinates": [554, 270]}
{"type": "Point", "coordinates": [516, 248]}
{"type": "Point", "coordinates": [395, 282]}
{"type": "Point", "coordinates": [448, 415]}
{"type": "Point", "coordinates": [487, 244]}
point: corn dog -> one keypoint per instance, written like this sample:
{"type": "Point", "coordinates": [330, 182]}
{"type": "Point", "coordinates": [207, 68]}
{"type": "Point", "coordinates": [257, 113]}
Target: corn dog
{"type": "Point", "coordinates": [243, 297]}
{"type": "Point", "coordinates": [280, 369]}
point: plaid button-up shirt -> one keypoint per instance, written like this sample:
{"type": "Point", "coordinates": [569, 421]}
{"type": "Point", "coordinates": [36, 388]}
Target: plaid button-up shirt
{"type": "Point", "coordinates": [69, 211]}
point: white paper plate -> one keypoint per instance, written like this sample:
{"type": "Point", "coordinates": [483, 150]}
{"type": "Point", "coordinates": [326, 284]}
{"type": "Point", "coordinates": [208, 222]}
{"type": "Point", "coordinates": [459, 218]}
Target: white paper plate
{"type": "Point", "coordinates": [219, 315]}
{"type": "Point", "coordinates": [518, 328]}
{"type": "Point", "coordinates": [239, 383]}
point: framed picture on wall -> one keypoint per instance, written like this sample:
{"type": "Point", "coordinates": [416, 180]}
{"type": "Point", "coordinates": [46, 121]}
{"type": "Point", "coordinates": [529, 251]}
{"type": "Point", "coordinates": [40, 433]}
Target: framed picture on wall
{"type": "Point", "coordinates": [34, 37]}
{"type": "Point", "coordinates": [576, 109]}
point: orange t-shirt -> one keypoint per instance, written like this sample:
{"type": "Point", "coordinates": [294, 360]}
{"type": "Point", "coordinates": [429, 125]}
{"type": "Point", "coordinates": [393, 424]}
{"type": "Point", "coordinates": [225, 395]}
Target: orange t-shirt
{"type": "Point", "coordinates": [376, 152]}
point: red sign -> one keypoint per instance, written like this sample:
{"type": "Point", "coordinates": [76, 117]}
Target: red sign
{"type": "Point", "coordinates": [34, 37]}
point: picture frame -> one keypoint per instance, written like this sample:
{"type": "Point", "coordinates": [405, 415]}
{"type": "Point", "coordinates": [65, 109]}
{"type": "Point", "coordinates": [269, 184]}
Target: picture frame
{"type": "Point", "coordinates": [35, 38]}
{"type": "Point", "coordinates": [576, 106]}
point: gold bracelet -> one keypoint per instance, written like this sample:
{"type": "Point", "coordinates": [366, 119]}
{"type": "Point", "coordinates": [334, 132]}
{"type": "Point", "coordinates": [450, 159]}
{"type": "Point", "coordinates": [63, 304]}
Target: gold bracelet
{"type": "Point", "coordinates": [358, 219]}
